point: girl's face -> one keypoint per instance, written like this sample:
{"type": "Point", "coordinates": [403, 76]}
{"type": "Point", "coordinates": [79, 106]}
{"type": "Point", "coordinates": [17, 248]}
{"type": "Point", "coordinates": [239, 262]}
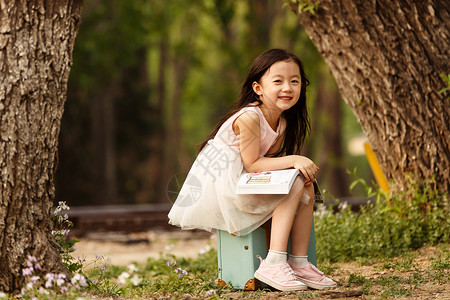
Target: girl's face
{"type": "Point", "coordinates": [279, 88]}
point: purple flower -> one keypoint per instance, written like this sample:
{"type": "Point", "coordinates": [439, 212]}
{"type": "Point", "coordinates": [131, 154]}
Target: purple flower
{"type": "Point", "coordinates": [211, 292]}
{"type": "Point", "coordinates": [27, 271]}
{"type": "Point", "coordinates": [170, 263]}
{"type": "Point", "coordinates": [181, 272]}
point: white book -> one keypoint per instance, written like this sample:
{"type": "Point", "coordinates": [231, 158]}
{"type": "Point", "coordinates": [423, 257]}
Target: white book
{"type": "Point", "coordinates": [268, 182]}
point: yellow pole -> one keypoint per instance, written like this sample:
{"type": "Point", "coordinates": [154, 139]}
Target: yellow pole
{"type": "Point", "coordinates": [376, 169]}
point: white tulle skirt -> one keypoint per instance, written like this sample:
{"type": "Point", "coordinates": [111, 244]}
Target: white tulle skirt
{"type": "Point", "coordinates": [208, 199]}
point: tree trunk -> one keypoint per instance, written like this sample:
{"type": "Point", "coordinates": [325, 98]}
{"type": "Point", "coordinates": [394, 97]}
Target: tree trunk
{"type": "Point", "coordinates": [36, 43]}
{"type": "Point", "coordinates": [104, 146]}
{"type": "Point", "coordinates": [157, 143]}
{"type": "Point", "coordinates": [261, 16]}
{"type": "Point", "coordinates": [386, 57]}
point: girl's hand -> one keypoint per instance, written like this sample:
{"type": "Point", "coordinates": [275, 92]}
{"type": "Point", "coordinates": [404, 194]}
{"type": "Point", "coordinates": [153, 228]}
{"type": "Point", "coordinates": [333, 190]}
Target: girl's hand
{"type": "Point", "coordinates": [306, 167]}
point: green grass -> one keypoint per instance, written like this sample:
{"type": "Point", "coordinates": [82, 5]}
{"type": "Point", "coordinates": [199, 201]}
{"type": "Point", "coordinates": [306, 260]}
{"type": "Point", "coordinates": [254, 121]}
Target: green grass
{"type": "Point", "coordinates": [404, 277]}
{"type": "Point", "coordinates": [395, 223]}
{"type": "Point", "coordinates": [180, 278]}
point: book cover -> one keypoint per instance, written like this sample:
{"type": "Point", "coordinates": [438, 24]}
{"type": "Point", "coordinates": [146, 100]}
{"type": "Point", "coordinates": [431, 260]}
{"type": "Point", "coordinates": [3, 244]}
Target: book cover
{"type": "Point", "coordinates": [268, 182]}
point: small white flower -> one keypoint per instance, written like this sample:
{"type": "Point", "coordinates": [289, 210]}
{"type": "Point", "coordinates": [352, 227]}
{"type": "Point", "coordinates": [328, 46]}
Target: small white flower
{"type": "Point", "coordinates": [80, 279]}
{"type": "Point", "coordinates": [35, 278]}
{"type": "Point", "coordinates": [3, 295]}
{"type": "Point", "coordinates": [132, 268]}
{"type": "Point", "coordinates": [123, 277]}
{"type": "Point", "coordinates": [60, 282]}
{"type": "Point", "coordinates": [135, 280]}
{"type": "Point", "coordinates": [211, 292]}
{"type": "Point", "coordinates": [49, 284]}
{"type": "Point", "coordinates": [205, 250]}
{"type": "Point", "coordinates": [29, 285]}
{"type": "Point", "coordinates": [63, 205]}
{"type": "Point", "coordinates": [321, 211]}
{"type": "Point", "coordinates": [43, 291]}
{"type": "Point", "coordinates": [169, 247]}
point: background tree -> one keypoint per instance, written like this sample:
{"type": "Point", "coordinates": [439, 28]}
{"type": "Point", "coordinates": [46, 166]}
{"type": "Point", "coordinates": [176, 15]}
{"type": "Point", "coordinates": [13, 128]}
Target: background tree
{"type": "Point", "coordinates": [155, 77]}
{"type": "Point", "coordinates": [36, 43]}
{"type": "Point", "coordinates": [387, 57]}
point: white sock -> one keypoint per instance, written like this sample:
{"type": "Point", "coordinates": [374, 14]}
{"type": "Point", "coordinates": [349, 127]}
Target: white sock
{"type": "Point", "coordinates": [276, 257]}
{"type": "Point", "coordinates": [299, 261]}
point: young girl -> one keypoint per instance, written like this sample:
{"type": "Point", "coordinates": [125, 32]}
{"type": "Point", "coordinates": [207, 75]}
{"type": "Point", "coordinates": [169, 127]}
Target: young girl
{"type": "Point", "coordinates": [265, 131]}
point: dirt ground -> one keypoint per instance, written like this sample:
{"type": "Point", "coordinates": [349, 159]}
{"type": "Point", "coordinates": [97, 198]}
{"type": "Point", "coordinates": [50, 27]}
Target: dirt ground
{"type": "Point", "coordinates": [123, 249]}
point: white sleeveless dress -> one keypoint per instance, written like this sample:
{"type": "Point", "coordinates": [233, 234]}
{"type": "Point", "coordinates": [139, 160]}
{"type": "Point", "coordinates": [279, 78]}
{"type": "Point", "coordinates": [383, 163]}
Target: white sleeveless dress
{"type": "Point", "coordinates": [208, 199]}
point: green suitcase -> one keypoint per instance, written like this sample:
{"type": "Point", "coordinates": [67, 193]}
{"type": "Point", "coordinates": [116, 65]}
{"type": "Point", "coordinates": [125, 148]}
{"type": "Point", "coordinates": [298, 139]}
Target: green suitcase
{"type": "Point", "coordinates": [237, 256]}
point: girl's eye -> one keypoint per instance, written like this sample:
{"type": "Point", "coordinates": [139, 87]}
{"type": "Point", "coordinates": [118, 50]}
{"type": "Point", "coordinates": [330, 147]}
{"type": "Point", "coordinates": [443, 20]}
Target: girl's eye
{"type": "Point", "coordinates": [295, 81]}
{"type": "Point", "coordinates": [277, 81]}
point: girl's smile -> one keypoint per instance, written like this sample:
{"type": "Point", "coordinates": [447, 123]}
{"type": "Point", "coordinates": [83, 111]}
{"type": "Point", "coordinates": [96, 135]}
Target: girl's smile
{"type": "Point", "coordinates": [279, 89]}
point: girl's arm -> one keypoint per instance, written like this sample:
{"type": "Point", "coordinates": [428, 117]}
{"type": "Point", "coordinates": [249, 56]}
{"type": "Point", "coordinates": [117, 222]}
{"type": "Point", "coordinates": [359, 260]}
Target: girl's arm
{"type": "Point", "coordinates": [247, 126]}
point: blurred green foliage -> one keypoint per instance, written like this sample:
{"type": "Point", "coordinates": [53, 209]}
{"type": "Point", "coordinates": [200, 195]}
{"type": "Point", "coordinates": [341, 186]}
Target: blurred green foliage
{"type": "Point", "coordinates": [396, 223]}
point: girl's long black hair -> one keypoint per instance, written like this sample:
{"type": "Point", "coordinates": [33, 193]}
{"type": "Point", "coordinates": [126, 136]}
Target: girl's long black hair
{"type": "Point", "coordinates": [298, 125]}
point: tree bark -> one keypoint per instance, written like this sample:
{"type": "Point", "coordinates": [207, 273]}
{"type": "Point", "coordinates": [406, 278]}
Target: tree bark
{"type": "Point", "coordinates": [386, 57]}
{"type": "Point", "coordinates": [36, 43]}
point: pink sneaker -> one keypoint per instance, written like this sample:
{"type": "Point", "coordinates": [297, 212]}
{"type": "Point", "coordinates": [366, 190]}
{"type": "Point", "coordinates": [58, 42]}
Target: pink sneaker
{"type": "Point", "coordinates": [279, 276]}
{"type": "Point", "coordinates": [312, 277]}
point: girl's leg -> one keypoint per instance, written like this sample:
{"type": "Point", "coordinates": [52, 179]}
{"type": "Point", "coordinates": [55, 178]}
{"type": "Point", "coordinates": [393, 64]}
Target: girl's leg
{"type": "Point", "coordinates": [301, 227]}
{"type": "Point", "coordinates": [283, 218]}
{"type": "Point", "coordinates": [301, 230]}
{"type": "Point", "coordinates": [275, 270]}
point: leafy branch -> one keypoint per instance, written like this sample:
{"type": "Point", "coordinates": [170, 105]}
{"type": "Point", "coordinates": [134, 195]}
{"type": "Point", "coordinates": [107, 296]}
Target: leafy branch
{"type": "Point", "coordinates": [303, 5]}
{"type": "Point", "coordinates": [447, 80]}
